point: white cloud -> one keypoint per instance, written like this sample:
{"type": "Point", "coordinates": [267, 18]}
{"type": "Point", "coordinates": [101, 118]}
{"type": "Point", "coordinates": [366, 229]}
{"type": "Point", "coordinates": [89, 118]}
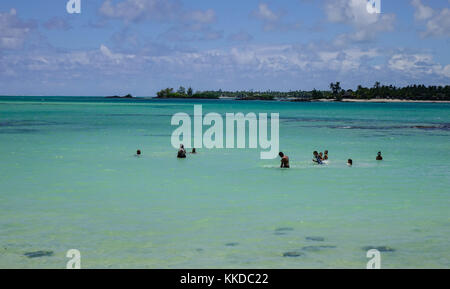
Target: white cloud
{"type": "Point", "coordinates": [138, 10]}
{"type": "Point", "coordinates": [154, 10]}
{"type": "Point", "coordinates": [243, 67]}
{"type": "Point", "coordinates": [354, 13]}
{"type": "Point", "coordinates": [422, 12]}
{"type": "Point", "coordinates": [117, 58]}
{"type": "Point", "coordinates": [250, 60]}
{"type": "Point", "coordinates": [437, 23]}
{"type": "Point", "coordinates": [264, 13]}
{"type": "Point", "coordinates": [186, 24]}
{"type": "Point", "coordinates": [272, 20]}
{"type": "Point", "coordinates": [13, 31]}
{"type": "Point", "coordinates": [417, 65]}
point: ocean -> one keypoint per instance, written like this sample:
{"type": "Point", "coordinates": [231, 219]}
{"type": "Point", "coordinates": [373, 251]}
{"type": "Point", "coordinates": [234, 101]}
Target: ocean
{"type": "Point", "coordinates": [70, 180]}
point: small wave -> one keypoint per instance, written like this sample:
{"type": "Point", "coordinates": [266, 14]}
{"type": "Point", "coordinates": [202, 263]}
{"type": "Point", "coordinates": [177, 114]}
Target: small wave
{"type": "Point", "coordinates": [445, 126]}
{"type": "Point", "coordinates": [21, 123]}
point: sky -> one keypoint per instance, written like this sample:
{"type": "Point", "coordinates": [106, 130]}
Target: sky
{"type": "Point", "coordinates": [116, 47]}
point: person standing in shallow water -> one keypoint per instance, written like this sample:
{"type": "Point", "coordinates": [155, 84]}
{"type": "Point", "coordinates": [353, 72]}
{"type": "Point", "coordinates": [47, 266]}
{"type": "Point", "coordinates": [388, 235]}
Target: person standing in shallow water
{"type": "Point", "coordinates": [284, 161]}
{"type": "Point", "coordinates": [379, 157]}
{"type": "Point", "coordinates": [325, 157]}
{"type": "Point", "coordinates": [181, 152]}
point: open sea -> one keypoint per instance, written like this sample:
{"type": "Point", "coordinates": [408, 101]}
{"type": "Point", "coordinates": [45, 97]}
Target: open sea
{"type": "Point", "coordinates": [69, 180]}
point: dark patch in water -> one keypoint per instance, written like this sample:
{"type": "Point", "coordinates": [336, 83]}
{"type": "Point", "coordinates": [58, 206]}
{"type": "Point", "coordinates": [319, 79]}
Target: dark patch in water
{"type": "Point", "coordinates": [349, 125]}
{"type": "Point", "coordinates": [128, 114]}
{"type": "Point", "coordinates": [379, 248]}
{"type": "Point", "coordinates": [293, 254]}
{"type": "Point", "coordinates": [199, 250]}
{"type": "Point", "coordinates": [158, 135]}
{"type": "Point", "coordinates": [19, 123]}
{"type": "Point", "coordinates": [18, 131]}
{"type": "Point", "coordinates": [38, 254]}
{"type": "Point", "coordinates": [284, 229]}
{"type": "Point", "coordinates": [232, 244]}
{"type": "Point", "coordinates": [445, 126]}
{"type": "Point", "coordinates": [279, 233]}
{"type": "Point", "coordinates": [316, 239]}
{"type": "Point", "coordinates": [317, 248]}
{"type": "Point", "coordinates": [308, 119]}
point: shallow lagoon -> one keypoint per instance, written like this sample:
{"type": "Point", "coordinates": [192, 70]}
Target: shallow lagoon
{"type": "Point", "coordinates": [69, 180]}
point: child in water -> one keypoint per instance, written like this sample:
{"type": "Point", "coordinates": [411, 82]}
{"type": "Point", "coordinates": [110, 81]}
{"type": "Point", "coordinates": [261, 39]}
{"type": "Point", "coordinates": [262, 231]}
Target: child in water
{"type": "Point", "coordinates": [325, 157]}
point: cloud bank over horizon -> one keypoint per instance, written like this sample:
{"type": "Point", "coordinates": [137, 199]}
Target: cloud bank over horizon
{"type": "Point", "coordinates": [141, 46]}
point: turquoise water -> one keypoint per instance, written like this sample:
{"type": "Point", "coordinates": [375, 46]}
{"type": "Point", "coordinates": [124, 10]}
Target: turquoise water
{"type": "Point", "coordinates": [69, 180]}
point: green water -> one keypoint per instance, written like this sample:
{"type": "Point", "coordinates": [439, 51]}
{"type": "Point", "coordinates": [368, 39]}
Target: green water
{"type": "Point", "coordinates": [68, 179]}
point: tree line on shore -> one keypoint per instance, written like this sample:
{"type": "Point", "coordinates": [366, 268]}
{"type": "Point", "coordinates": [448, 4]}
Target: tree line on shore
{"type": "Point", "coordinates": [336, 92]}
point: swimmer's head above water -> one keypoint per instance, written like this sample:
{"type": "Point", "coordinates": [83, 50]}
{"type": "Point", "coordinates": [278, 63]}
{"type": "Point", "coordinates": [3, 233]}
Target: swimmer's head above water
{"type": "Point", "coordinates": [350, 162]}
{"type": "Point", "coordinates": [379, 157]}
{"type": "Point", "coordinates": [138, 152]}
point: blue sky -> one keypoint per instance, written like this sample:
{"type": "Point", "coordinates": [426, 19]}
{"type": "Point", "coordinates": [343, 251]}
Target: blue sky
{"type": "Point", "coordinates": [141, 46]}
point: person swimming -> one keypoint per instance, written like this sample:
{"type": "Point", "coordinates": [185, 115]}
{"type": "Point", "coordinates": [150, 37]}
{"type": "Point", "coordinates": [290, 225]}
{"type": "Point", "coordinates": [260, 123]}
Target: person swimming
{"type": "Point", "coordinates": [325, 157]}
{"type": "Point", "coordinates": [181, 152]}
{"type": "Point", "coordinates": [316, 158]}
{"type": "Point", "coordinates": [321, 156]}
{"type": "Point", "coordinates": [379, 157]}
{"type": "Point", "coordinates": [138, 153]}
{"type": "Point", "coordinates": [350, 162]}
{"type": "Point", "coordinates": [193, 151]}
{"type": "Point", "coordinates": [284, 161]}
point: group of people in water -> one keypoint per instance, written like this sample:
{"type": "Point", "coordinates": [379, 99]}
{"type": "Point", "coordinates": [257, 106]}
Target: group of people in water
{"type": "Point", "coordinates": [181, 152]}
{"type": "Point", "coordinates": [318, 158]}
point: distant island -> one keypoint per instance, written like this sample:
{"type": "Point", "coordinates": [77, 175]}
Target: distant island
{"type": "Point", "coordinates": [336, 93]}
{"type": "Point", "coordinates": [116, 96]}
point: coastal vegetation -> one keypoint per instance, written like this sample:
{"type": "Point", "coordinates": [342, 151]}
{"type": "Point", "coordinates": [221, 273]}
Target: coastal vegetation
{"type": "Point", "coordinates": [336, 92]}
